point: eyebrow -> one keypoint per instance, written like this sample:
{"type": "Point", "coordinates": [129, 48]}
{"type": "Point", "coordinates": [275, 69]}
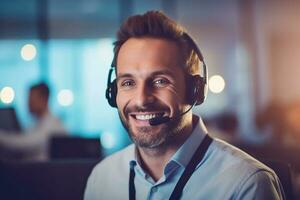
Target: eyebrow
{"type": "Point", "coordinates": [163, 72]}
{"type": "Point", "coordinates": [125, 75]}
{"type": "Point", "coordinates": [156, 73]}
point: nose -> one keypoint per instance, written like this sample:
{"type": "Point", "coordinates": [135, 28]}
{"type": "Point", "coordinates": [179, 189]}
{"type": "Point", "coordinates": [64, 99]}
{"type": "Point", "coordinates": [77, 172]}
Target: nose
{"type": "Point", "coordinates": [144, 95]}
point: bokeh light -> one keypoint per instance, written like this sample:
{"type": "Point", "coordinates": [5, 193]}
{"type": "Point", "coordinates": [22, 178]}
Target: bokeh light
{"type": "Point", "coordinates": [65, 97]}
{"type": "Point", "coordinates": [216, 84]}
{"type": "Point", "coordinates": [28, 52]}
{"type": "Point", "coordinates": [7, 95]}
{"type": "Point", "coordinates": [108, 141]}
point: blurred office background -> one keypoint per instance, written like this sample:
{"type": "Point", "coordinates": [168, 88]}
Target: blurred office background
{"type": "Point", "coordinates": [251, 48]}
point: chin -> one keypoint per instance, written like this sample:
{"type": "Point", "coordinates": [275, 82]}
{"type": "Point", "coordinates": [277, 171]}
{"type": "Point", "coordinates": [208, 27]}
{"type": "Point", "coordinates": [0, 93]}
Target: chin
{"type": "Point", "coordinates": [149, 137]}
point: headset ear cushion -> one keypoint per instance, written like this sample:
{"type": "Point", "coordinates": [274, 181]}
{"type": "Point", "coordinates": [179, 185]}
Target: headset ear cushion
{"type": "Point", "coordinates": [111, 94]}
{"type": "Point", "coordinates": [201, 91]}
{"type": "Point", "coordinates": [198, 89]}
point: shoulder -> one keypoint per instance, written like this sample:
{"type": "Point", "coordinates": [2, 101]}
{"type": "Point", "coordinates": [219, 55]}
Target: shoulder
{"type": "Point", "coordinates": [248, 175]}
{"type": "Point", "coordinates": [262, 185]}
{"type": "Point", "coordinates": [232, 156]}
{"type": "Point", "coordinates": [52, 125]}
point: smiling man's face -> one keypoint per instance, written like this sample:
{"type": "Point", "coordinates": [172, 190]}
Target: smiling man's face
{"type": "Point", "coordinates": [151, 83]}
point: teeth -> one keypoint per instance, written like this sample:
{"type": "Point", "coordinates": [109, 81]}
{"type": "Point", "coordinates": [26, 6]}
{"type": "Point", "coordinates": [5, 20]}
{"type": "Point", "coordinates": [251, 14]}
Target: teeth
{"type": "Point", "coordinates": [146, 117]}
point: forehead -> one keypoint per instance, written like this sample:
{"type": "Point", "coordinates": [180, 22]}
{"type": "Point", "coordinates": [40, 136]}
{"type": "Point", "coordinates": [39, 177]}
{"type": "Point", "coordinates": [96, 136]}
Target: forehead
{"type": "Point", "coordinates": [148, 55]}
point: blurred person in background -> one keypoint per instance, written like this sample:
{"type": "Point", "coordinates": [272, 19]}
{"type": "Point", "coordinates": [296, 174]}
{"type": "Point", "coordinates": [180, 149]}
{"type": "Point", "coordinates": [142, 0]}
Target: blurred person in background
{"type": "Point", "coordinates": [34, 143]}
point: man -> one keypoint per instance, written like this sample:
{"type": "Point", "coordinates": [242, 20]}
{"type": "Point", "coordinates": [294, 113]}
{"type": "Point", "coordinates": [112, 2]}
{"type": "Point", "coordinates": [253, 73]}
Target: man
{"type": "Point", "coordinates": [157, 83]}
{"type": "Point", "coordinates": [33, 145]}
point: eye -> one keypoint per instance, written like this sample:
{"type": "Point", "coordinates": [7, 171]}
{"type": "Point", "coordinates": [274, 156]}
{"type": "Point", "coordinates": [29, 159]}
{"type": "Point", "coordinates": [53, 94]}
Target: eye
{"type": "Point", "coordinates": [161, 82]}
{"type": "Point", "coordinates": [127, 83]}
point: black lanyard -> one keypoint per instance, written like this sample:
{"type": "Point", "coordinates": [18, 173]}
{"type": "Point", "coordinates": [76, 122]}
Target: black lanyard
{"type": "Point", "coordinates": [190, 168]}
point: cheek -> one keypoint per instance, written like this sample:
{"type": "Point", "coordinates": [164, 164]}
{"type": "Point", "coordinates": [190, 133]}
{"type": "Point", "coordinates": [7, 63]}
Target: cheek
{"type": "Point", "coordinates": [172, 98]}
{"type": "Point", "coordinates": [173, 94]}
{"type": "Point", "coordinates": [122, 100]}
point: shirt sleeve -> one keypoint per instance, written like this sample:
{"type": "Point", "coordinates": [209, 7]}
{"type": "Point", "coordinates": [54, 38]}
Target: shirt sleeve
{"type": "Point", "coordinates": [260, 186]}
{"type": "Point", "coordinates": [34, 139]}
{"type": "Point", "coordinates": [24, 142]}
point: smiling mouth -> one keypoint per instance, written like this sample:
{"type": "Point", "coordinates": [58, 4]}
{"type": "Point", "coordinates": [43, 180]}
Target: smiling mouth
{"type": "Point", "coordinates": [146, 117]}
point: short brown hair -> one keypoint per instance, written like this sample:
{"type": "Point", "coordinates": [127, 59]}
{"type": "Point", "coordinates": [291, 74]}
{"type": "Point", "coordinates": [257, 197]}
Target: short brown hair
{"type": "Point", "coordinates": [158, 25]}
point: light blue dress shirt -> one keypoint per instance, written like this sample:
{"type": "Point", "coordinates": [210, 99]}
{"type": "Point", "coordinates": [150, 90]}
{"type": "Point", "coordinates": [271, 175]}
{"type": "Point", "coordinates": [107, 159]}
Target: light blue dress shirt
{"type": "Point", "coordinates": [224, 173]}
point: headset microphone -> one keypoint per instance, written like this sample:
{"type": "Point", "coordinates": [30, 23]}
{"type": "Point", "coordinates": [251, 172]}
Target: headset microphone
{"type": "Point", "coordinates": [160, 120]}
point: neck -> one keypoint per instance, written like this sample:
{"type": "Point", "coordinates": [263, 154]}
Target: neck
{"type": "Point", "coordinates": [154, 160]}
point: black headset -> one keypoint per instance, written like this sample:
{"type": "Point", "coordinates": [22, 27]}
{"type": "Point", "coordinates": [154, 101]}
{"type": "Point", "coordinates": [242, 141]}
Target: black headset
{"type": "Point", "coordinates": [196, 85]}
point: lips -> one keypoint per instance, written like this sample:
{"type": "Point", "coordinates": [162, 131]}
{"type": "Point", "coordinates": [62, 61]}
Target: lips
{"type": "Point", "coordinates": [148, 116]}
{"type": "Point", "coordinates": [142, 118]}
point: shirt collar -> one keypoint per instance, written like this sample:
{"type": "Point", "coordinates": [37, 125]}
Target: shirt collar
{"type": "Point", "coordinates": [184, 154]}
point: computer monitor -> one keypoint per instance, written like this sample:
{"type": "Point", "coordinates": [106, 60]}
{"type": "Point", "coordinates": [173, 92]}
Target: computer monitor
{"type": "Point", "coordinates": [74, 147]}
{"type": "Point", "coordinates": [9, 120]}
